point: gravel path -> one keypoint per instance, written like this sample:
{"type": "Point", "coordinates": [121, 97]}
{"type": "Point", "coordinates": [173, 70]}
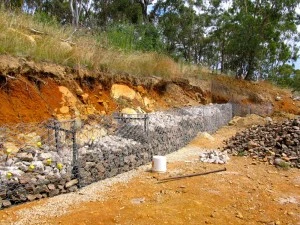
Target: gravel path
{"type": "Point", "coordinates": [185, 153]}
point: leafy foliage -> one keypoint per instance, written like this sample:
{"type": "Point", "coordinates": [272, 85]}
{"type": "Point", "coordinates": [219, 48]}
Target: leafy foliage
{"type": "Point", "coordinates": [258, 35]}
{"type": "Point", "coordinates": [287, 76]}
{"type": "Point", "coordinates": [131, 37]}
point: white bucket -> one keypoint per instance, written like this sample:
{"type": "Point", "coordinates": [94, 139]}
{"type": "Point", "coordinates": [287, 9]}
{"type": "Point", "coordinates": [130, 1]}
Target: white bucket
{"type": "Point", "coordinates": [159, 164]}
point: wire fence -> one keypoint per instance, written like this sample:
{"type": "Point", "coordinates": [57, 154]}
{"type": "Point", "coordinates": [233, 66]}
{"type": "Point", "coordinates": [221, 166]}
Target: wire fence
{"type": "Point", "coordinates": [246, 109]}
{"type": "Point", "coordinates": [39, 160]}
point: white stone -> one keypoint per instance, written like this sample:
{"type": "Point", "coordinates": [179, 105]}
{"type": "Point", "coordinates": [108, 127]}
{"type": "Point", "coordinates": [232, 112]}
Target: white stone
{"type": "Point", "coordinates": [214, 157]}
{"type": "Point", "coordinates": [9, 162]}
{"type": "Point", "coordinates": [48, 170]}
{"type": "Point", "coordinates": [268, 119]}
{"type": "Point", "coordinates": [44, 156]}
{"type": "Point", "coordinates": [296, 98]}
{"type": "Point", "coordinates": [21, 166]}
{"type": "Point", "coordinates": [39, 166]}
{"type": "Point", "coordinates": [71, 183]}
{"type": "Point", "coordinates": [206, 136]}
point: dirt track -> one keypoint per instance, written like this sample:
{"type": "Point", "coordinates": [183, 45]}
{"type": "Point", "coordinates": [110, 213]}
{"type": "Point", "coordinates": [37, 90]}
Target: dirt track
{"type": "Point", "coordinates": [249, 192]}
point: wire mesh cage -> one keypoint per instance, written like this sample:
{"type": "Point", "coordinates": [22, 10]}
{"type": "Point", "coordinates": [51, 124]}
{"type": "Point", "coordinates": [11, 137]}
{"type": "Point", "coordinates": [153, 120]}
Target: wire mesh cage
{"type": "Point", "coordinates": [54, 157]}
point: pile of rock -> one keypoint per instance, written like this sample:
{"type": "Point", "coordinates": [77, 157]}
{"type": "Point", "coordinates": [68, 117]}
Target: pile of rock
{"type": "Point", "coordinates": [214, 156]}
{"type": "Point", "coordinates": [277, 143]}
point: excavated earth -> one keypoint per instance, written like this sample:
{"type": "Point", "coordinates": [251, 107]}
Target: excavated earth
{"type": "Point", "coordinates": [35, 92]}
{"type": "Point", "coordinates": [249, 192]}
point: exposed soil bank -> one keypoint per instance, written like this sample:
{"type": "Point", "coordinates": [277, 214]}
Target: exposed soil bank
{"type": "Point", "coordinates": [34, 92]}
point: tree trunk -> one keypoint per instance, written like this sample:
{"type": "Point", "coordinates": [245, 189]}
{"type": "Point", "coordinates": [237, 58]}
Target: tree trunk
{"type": "Point", "coordinates": [222, 56]}
{"type": "Point", "coordinates": [144, 4]}
{"type": "Point", "coordinates": [249, 75]}
{"type": "Point", "coordinates": [75, 7]}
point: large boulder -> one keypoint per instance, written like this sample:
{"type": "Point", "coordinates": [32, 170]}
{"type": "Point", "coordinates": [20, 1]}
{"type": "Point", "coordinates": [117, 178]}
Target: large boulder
{"type": "Point", "coordinates": [120, 90]}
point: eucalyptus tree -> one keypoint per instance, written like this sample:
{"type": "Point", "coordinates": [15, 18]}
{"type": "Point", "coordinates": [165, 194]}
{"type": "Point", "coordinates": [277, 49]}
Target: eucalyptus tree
{"type": "Point", "coordinates": [181, 28]}
{"type": "Point", "coordinates": [260, 36]}
{"type": "Point", "coordinates": [107, 12]}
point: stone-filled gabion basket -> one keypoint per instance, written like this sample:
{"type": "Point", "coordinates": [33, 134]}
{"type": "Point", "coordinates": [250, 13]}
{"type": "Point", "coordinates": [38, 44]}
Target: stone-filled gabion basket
{"type": "Point", "coordinates": [39, 172]}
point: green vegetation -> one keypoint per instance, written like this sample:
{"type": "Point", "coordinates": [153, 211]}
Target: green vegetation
{"type": "Point", "coordinates": [248, 39]}
{"type": "Point", "coordinates": [286, 76]}
{"type": "Point", "coordinates": [60, 44]}
{"type": "Point", "coordinates": [131, 37]}
{"type": "Point", "coordinates": [284, 165]}
{"type": "Point", "coordinates": [242, 153]}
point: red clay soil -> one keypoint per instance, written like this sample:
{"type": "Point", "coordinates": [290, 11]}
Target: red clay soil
{"type": "Point", "coordinates": [287, 105]}
{"type": "Point", "coordinates": [246, 194]}
{"type": "Point", "coordinates": [228, 89]}
{"type": "Point", "coordinates": [22, 102]}
{"type": "Point", "coordinates": [51, 94]}
{"type": "Point", "coordinates": [99, 97]}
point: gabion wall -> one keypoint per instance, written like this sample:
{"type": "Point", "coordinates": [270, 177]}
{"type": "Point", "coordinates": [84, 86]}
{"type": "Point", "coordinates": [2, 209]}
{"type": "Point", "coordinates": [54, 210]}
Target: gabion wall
{"type": "Point", "coordinates": [102, 150]}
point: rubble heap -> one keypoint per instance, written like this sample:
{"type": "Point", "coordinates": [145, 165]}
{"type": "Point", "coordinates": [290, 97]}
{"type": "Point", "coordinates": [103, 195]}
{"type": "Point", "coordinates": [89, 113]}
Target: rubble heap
{"type": "Point", "coordinates": [277, 143]}
{"type": "Point", "coordinates": [214, 156]}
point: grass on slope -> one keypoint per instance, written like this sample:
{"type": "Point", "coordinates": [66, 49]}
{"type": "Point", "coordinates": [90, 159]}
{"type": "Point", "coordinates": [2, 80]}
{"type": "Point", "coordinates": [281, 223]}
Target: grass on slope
{"type": "Point", "coordinates": [92, 52]}
{"type": "Point", "coordinates": [86, 50]}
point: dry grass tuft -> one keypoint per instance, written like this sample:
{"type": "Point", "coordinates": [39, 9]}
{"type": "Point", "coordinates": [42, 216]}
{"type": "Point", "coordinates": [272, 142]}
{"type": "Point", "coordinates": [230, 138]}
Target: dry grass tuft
{"type": "Point", "coordinates": [86, 50]}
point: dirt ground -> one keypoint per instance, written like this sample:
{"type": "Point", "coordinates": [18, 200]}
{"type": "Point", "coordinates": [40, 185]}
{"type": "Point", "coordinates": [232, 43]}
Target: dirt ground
{"type": "Point", "coordinates": [245, 194]}
{"type": "Point", "coordinates": [249, 192]}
